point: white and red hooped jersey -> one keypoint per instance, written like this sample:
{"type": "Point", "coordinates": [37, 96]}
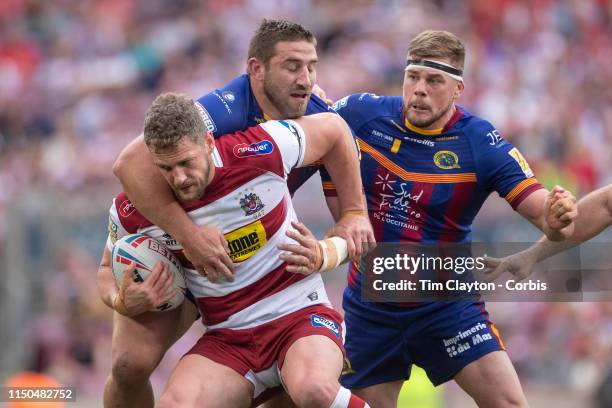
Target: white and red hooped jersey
{"type": "Point", "coordinates": [249, 201]}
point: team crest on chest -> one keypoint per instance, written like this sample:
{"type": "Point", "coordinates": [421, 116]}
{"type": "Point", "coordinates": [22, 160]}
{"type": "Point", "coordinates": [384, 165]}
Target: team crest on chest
{"type": "Point", "coordinates": [251, 203]}
{"type": "Point", "coordinates": [446, 160]}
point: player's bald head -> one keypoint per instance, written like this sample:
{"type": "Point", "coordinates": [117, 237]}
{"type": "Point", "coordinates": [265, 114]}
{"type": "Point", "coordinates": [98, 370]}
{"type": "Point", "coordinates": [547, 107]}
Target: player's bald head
{"type": "Point", "coordinates": [271, 32]}
{"type": "Point", "coordinates": [436, 45]}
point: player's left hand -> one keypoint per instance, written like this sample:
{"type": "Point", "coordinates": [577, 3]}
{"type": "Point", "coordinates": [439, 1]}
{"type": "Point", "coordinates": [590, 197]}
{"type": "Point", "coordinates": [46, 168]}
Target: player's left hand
{"type": "Point", "coordinates": [304, 258]}
{"type": "Point", "coordinates": [357, 230]}
{"type": "Point", "coordinates": [560, 211]}
{"type": "Point", "coordinates": [520, 265]}
{"type": "Point", "coordinates": [317, 90]}
{"type": "Point", "coordinates": [135, 298]}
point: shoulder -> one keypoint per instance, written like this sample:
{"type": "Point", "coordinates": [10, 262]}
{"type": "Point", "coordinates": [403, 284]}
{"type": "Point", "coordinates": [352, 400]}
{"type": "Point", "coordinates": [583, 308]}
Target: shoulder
{"type": "Point", "coordinates": [479, 131]}
{"type": "Point", "coordinates": [260, 146]}
{"type": "Point", "coordinates": [317, 105]}
{"type": "Point", "coordinates": [360, 108]}
{"type": "Point", "coordinates": [225, 109]}
{"type": "Point", "coordinates": [124, 212]}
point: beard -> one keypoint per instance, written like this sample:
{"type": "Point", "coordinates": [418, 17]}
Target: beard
{"type": "Point", "coordinates": [196, 187]}
{"type": "Point", "coordinates": [426, 121]}
{"type": "Point", "coordinates": [281, 99]}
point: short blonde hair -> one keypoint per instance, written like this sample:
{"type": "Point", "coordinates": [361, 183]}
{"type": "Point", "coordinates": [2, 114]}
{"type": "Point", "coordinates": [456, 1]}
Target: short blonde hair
{"type": "Point", "coordinates": [437, 44]}
{"type": "Point", "coordinates": [172, 117]}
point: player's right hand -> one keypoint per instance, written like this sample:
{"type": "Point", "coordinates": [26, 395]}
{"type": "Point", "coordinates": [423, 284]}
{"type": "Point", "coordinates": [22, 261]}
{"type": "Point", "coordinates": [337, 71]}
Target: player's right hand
{"type": "Point", "coordinates": [560, 211]}
{"type": "Point", "coordinates": [317, 90]}
{"type": "Point", "coordinates": [208, 251]}
{"type": "Point", "coordinates": [356, 229]}
{"type": "Point", "coordinates": [520, 265]}
{"type": "Point", "coordinates": [135, 298]}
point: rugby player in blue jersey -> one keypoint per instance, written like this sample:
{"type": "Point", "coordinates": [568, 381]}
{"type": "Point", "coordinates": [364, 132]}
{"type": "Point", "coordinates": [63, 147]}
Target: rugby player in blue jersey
{"type": "Point", "coordinates": [281, 70]}
{"type": "Point", "coordinates": [427, 167]}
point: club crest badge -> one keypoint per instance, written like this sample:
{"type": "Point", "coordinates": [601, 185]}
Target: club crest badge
{"type": "Point", "coordinates": [251, 203]}
{"type": "Point", "coordinates": [446, 160]}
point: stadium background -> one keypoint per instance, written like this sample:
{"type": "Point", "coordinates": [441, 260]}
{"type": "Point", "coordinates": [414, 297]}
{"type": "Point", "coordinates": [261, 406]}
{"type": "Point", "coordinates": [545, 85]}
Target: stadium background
{"type": "Point", "coordinates": [76, 77]}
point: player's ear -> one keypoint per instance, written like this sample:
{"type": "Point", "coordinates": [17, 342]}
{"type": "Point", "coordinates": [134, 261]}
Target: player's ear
{"type": "Point", "coordinates": [256, 68]}
{"type": "Point", "coordinates": [209, 141]}
{"type": "Point", "coordinates": [459, 89]}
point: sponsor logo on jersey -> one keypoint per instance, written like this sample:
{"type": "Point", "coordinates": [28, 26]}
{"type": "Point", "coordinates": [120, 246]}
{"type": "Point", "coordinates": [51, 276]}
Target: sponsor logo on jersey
{"type": "Point", "coordinates": [210, 124]}
{"type": "Point", "coordinates": [363, 95]}
{"type": "Point", "coordinates": [320, 321]}
{"type": "Point", "coordinates": [516, 155]}
{"type": "Point", "coordinates": [246, 241]}
{"type": "Point", "coordinates": [222, 100]}
{"type": "Point", "coordinates": [446, 160]}
{"type": "Point", "coordinates": [382, 139]}
{"type": "Point", "coordinates": [446, 138]}
{"type": "Point", "coordinates": [112, 230]}
{"type": "Point", "coordinates": [228, 96]}
{"type": "Point", "coordinates": [126, 208]}
{"type": "Point", "coordinates": [341, 103]}
{"type": "Point", "coordinates": [251, 203]}
{"type": "Point", "coordinates": [243, 150]}
{"type": "Point", "coordinates": [426, 142]}
{"type": "Point", "coordinates": [313, 296]}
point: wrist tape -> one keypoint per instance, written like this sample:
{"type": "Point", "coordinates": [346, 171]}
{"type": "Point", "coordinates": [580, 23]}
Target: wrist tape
{"type": "Point", "coordinates": [335, 250]}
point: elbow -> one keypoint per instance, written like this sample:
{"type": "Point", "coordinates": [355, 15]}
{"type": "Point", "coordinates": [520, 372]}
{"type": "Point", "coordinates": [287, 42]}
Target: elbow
{"type": "Point", "coordinates": [120, 165]}
{"type": "Point", "coordinates": [130, 154]}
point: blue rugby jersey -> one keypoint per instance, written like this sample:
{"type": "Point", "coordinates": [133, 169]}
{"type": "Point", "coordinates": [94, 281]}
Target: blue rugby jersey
{"type": "Point", "coordinates": [426, 186]}
{"type": "Point", "coordinates": [233, 108]}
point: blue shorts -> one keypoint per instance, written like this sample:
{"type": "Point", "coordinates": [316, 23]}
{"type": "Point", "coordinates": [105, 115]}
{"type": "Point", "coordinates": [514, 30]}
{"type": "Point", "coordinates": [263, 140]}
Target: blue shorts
{"type": "Point", "coordinates": [384, 340]}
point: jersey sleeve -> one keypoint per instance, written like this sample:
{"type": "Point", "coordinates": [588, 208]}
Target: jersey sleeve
{"type": "Point", "coordinates": [290, 139]}
{"type": "Point", "coordinates": [218, 117]}
{"type": "Point", "coordinates": [123, 219]}
{"type": "Point", "coordinates": [357, 109]}
{"type": "Point", "coordinates": [503, 167]}
{"type": "Point", "coordinates": [115, 228]}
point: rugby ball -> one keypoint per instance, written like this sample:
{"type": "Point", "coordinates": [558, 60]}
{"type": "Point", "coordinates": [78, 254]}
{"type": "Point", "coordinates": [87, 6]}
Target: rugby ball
{"type": "Point", "coordinates": [146, 252]}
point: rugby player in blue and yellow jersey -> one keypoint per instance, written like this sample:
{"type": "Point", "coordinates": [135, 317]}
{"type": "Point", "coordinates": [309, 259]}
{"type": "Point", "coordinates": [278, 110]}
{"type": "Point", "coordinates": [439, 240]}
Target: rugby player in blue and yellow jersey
{"type": "Point", "coordinates": [427, 167]}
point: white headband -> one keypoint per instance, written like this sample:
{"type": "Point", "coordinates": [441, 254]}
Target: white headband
{"type": "Point", "coordinates": [448, 69]}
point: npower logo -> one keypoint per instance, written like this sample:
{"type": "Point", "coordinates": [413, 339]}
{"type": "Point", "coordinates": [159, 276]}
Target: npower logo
{"type": "Point", "coordinates": [255, 149]}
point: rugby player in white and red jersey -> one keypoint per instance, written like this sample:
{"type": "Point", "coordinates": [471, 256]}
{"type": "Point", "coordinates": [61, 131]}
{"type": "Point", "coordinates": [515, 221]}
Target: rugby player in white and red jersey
{"type": "Point", "coordinates": [269, 324]}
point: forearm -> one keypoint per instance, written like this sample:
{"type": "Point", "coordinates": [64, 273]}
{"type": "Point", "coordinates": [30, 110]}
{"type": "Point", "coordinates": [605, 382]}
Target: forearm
{"type": "Point", "coordinates": [107, 288]}
{"type": "Point", "coordinates": [149, 192]}
{"type": "Point", "coordinates": [555, 235]}
{"type": "Point", "coordinates": [334, 207]}
{"type": "Point", "coordinates": [342, 163]}
{"type": "Point", "coordinates": [594, 215]}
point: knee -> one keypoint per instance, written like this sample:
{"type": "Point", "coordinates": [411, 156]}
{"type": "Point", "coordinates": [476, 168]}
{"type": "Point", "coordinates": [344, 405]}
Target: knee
{"type": "Point", "coordinates": [130, 369]}
{"type": "Point", "coordinates": [314, 393]}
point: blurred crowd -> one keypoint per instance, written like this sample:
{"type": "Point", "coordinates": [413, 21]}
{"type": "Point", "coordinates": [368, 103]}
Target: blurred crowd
{"type": "Point", "coordinates": [76, 77]}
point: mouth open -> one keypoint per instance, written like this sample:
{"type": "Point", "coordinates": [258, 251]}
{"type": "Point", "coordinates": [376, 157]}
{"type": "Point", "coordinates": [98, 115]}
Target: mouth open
{"type": "Point", "coordinates": [300, 95]}
{"type": "Point", "coordinates": [419, 108]}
